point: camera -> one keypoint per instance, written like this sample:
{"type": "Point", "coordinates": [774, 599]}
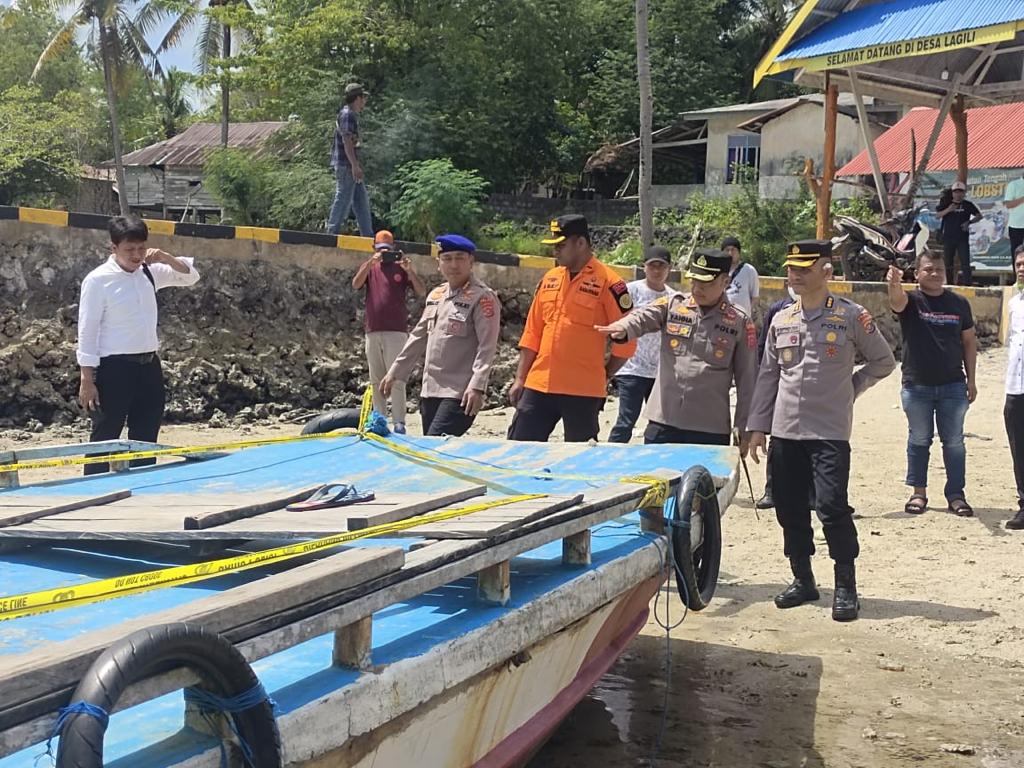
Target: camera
{"type": "Point", "coordinates": [391, 256]}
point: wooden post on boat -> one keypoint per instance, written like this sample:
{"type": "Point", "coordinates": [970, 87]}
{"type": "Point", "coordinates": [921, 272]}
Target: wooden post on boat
{"type": "Point", "coordinates": [653, 519]}
{"type": "Point", "coordinates": [119, 466]}
{"type": "Point", "coordinates": [494, 584]}
{"type": "Point", "coordinates": [353, 644]}
{"type": "Point", "coordinates": [576, 548]}
{"type": "Point", "coordinates": [9, 479]}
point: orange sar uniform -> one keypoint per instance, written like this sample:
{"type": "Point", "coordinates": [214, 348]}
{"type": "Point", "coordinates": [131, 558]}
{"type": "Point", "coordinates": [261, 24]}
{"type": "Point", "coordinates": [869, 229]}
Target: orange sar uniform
{"type": "Point", "coordinates": [567, 381]}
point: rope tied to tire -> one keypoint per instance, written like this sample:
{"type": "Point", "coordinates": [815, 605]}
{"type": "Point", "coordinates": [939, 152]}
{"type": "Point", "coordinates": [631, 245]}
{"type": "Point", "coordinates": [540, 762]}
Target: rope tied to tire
{"type": "Point", "coordinates": [64, 714]}
{"type": "Point", "coordinates": [209, 704]}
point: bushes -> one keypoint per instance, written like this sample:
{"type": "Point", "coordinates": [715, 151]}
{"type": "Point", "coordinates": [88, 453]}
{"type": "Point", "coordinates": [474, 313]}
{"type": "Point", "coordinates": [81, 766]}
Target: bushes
{"type": "Point", "coordinates": [436, 197]}
{"type": "Point", "coordinates": [265, 192]}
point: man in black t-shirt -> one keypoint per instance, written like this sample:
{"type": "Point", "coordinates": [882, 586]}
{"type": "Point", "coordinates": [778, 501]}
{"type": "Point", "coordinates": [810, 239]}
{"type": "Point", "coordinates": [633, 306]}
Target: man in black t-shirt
{"type": "Point", "coordinates": [940, 349]}
{"type": "Point", "coordinates": [957, 218]}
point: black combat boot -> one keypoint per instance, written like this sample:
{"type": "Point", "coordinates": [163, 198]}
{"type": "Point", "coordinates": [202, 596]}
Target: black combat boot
{"type": "Point", "coordinates": [803, 589]}
{"type": "Point", "coordinates": [845, 605]}
{"type": "Point", "coordinates": [1016, 522]}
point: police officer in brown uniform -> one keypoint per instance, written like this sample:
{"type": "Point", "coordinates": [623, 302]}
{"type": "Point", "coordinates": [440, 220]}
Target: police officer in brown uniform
{"type": "Point", "coordinates": [706, 344]}
{"type": "Point", "coordinates": [804, 399]}
{"type": "Point", "coordinates": [459, 330]}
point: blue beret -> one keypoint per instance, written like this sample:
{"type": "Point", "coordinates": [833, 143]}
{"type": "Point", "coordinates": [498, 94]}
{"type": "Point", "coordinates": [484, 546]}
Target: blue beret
{"type": "Point", "coordinates": [455, 243]}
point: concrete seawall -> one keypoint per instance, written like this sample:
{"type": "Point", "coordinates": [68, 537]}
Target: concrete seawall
{"type": "Point", "coordinates": [273, 327]}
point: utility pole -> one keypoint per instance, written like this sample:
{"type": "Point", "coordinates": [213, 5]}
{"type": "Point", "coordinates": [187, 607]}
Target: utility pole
{"type": "Point", "coordinates": [643, 72]}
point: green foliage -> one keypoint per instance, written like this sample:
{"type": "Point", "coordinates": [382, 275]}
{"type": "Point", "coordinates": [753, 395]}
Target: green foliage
{"type": "Point", "coordinates": [300, 196]}
{"type": "Point", "coordinates": [241, 183]}
{"type": "Point", "coordinates": [436, 197]}
{"type": "Point", "coordinates": [38, 144]}
{"type": "Point", "coordinates": [507, 236]}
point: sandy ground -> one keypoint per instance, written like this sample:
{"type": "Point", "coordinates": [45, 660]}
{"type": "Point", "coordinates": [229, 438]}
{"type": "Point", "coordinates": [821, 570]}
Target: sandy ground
{"type": "Point", "coordinates": [931, 666]}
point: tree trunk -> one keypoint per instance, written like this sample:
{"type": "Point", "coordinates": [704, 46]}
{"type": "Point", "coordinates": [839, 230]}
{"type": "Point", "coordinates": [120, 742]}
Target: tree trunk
{"type": "Point", "coordinates": [115, 128]}
{"type": "Point", "coordinates": [958, 115]}
{"type": "Point", "coordinates": [225, 88]}
{"type": "Point", "coordinates": [643, 71]}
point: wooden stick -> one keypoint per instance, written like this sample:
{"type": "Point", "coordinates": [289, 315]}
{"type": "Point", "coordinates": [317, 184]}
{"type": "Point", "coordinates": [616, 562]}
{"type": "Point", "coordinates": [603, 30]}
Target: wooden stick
{"type": "Point", "coordinates": [92, 501]}
{"type": "Point", "coordinates": [211, 519]}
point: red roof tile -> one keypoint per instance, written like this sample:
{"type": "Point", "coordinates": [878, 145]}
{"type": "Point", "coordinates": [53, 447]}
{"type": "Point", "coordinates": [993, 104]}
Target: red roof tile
{"type": "Point", "coordinates": [993, 141]}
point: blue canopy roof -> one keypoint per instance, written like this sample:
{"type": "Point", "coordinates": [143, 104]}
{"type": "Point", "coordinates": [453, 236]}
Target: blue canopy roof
{"type": "Point", "coordinates": [901, 20]}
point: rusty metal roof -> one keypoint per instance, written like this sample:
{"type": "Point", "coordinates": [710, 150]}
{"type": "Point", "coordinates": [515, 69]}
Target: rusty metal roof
{"type": "Point", "coordinates": [190, 147]}
{"type": "Point", "coordinates": [989, 142]}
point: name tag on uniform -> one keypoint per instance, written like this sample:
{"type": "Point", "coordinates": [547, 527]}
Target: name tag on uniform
{"type": "Point", "coordinates": [787, 337]}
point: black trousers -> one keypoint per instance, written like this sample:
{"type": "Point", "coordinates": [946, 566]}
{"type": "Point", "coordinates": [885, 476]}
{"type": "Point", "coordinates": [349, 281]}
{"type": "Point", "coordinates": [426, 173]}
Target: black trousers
{"type": "Point", "coordinates": [537, 413]}
{"type": "Point", "coordinates": [962, 247]}
{"type": "Point", "coordinates": [768, 477]}
{"type": "Point", "coordinates": [1016, 240]}
{"type": "Point", "coordinates": [444, 416]}
{"type": "Point", "coordinates": [1013, 416]}
{"type": "Point", "coordinates": [131, 392]}
{"type": "Point", "coordinates": [664, 433]}
{"type": "Point", "coordinates": [633, 391]}
{"type": "Point", "coordinates": [796, 465]}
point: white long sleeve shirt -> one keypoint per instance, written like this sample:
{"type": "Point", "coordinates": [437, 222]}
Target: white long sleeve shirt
{"type": "Point", "coordinates": [117, 309]}
{"type": "Point", "coordinates": [1015, 343]}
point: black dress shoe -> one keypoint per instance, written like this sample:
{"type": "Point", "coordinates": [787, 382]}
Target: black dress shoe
{"type": "Point", "coordinates": [1016, 523]}
{"type": "Point", "coordinates": [765, 502]}
{"type": "Point", "coordinates": [802, 590]}
{"type": "Point", "coordinates": [845, 603]}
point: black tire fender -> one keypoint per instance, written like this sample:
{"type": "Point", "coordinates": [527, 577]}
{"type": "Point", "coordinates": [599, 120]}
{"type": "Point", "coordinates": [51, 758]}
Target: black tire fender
{"type": "Point", "coordinates": [341, 418]}
{"type": "Point", "coordinates": [695, 535]}
{"type": "Point", "coordinates": [222, 671]}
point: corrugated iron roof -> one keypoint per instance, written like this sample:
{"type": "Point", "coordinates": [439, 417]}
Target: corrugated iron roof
{"type": "Point", "coordinates": [988, 142]}
{"type": "Point", "coordinates": [901, 20]}
{"type": "Point", "coordinates": [189, 147]}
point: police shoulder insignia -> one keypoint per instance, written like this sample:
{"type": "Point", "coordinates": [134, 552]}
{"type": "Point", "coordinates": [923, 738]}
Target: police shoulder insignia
{"type": "Point", "coordinates": [621, 294]}
{"type": "Point", "coordinates": [751, 335]}
{"type": "Point", "coordinates": [438, 292]}
{"type": "Point", "coordinates": [866, 321]}
{"type": "Point", "coordinates": [487, 305]}
{"type": "Point", "coordinates": [660, 301]}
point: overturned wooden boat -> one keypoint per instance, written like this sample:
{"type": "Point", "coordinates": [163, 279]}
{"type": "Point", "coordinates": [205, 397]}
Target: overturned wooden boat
{"type": "Point", "coordinates": [454, 620]}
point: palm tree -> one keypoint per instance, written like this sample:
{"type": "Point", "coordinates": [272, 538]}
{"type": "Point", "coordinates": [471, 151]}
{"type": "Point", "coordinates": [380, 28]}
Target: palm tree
{"type": "Point", "coordinates": [172, 101]}
{"type": "Point", "coordinates": [119, 40]}
{"type": "Point", "coordinates": [766, 22]}
{"type": "Point", "coordinates": [214, 42]}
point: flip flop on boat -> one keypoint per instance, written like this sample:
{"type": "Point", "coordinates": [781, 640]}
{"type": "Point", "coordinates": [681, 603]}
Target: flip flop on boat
{"type": "Point", "coordinates": [330, 496]}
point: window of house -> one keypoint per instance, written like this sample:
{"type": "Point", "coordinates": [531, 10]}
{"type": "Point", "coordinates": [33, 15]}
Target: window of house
{"type": "Point", "coordinates": [744, 153]}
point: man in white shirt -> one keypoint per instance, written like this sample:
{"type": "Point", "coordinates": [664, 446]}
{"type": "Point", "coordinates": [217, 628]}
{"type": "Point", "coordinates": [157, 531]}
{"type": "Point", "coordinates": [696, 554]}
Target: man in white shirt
{"type": "Point", "coordinates": [635, 380]}
{"type": "Point", "coordinates": [1013, 199]}
{"type": "Point", "coordinates": [1013, 410]}
{"type": "Point", "coordinates": [743, 287]}
{"type": "Point", "coordinates": [121, 377]}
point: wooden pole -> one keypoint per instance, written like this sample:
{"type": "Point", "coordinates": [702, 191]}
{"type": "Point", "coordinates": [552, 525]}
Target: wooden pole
{"type": "Point", "coordinates": [958, 115]}
{"type": "Point", "coordinates": [829, 165]}
{"type": "Point", "coordinates": [643, 71]}
{"type": "Point", "coordinates": [926, 156]}
{"type": "Point", "coordinates": [869, 143]}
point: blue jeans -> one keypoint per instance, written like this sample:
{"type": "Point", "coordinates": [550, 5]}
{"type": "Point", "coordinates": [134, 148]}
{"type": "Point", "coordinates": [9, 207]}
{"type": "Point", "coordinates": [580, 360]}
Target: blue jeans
{"type": "Point", "coordinates": [926, 407]}
{"type": "Point", "coordinates": [350, 196]}
{"type": "Point", "coordinates": [633, 393]}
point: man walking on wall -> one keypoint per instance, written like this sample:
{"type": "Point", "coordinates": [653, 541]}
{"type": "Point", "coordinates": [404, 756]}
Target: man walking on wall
{"type": "Point", "coordinates": [351, 194]}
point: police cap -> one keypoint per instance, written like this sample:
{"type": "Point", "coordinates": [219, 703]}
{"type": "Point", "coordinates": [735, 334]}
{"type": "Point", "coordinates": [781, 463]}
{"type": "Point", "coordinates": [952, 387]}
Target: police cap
{"type": "Point", "coordinates": [803, 253]}
{"type": "Point", "coordinates": [708, 263]}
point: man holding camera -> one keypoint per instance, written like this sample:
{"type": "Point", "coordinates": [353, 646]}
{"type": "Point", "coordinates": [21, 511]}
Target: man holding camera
{"type": "Point", "coordinates": [459, 332]}
{"type": "Point", "coordinates": [387, 275]}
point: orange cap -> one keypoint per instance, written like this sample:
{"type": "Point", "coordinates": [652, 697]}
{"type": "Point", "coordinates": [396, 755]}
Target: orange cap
{"type": "Point", "coordinates": [384, 237]}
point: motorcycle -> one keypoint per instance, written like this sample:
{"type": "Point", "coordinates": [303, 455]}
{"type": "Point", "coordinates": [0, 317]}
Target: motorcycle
{"type": "Point", "coordinates": [867, 251]}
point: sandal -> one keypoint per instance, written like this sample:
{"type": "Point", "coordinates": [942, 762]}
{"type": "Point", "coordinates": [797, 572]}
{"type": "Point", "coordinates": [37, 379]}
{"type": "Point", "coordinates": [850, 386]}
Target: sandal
{"type": "Point", "coordinates": [914, 508]}
{"type": "Point", "coordinates": [961, 508]}
{"type": "Point", "coordinates": [330, 496]}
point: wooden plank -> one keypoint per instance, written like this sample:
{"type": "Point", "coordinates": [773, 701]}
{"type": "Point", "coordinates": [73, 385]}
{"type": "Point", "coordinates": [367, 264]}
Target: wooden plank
{"type": "Point", "coordinates": [49, 679]}
{"type": "Point", "coordinates": [48, 508]}
{"type": "Point", "coordinates": [357, 522]}
{"type": "Point", "coordinates": [28, 676]}
{"type": "Point", "coordinates": [494, 584]}
{"type": "Point", "coordinates": [202, 520]}
{"type": "Point", "coordinates": [488, 523]}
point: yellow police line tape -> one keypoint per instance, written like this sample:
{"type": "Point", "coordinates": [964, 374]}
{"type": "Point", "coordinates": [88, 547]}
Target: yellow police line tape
{"type": "Point", "coordinates": [31, 603]}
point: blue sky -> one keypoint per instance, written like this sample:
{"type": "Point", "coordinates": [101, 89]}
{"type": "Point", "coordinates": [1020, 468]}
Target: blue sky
{"type": "Point", "coordinates": [179, 57]}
